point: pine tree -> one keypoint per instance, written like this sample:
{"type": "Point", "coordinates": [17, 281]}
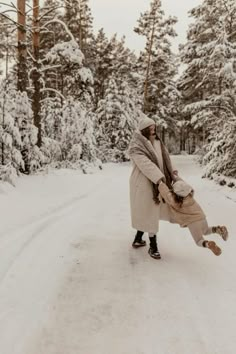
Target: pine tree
{"type": "Point", "coordinates": [156, 65]}
{"type": "Point", "coordinates": [208, 82]}
{"type": "Point", "coordinates": [50, 32]}
{"type": "Point", "coordinates": [79, 21]}
{"type": "Point", "coordinates": [7, 42]}
{"type": "Point", "coordinates": [100, 63]}
{"type": "Point", "coordinates": [109, 58]}
{"type": "Point", "coordinates": [18, 135]}
{"type": "Point", "coordinates": [77, 137]}
{"type": "Point", "coordinates": [74, 79]}
{"type": "Point", "coordinates": [117, 119]}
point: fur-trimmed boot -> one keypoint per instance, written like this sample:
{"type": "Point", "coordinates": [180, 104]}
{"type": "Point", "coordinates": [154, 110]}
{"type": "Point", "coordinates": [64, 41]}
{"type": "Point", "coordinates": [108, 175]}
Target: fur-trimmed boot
{"type": "Point", "coordinates": [213, 247]}
{"type": "Point", "coordinates": [153, 250]}
{"type": "Point", "coordinates": [138, 242]}
{"type": "Point", "coordinates": [222, 231]}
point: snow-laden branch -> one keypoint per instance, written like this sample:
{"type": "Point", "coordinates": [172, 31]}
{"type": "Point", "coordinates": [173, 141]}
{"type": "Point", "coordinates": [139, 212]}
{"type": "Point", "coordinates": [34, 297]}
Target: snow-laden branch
{"type": "Point", "coordinates": [11, 20]}
{"type": "Point", "coordinates": [53, 90]}
{"type": "Point", "coordinates": [31, 56]}
{"type": "Point", "coordinates": [51, 67]}
{"type": "Point", "coordinates": [231, 35]}
{"type": "Point", "coordinates": [220, 107]}
{"type": "Point", "coordinates": [49, 11]}
{"type": "Point", "coordinates": [56, 20]}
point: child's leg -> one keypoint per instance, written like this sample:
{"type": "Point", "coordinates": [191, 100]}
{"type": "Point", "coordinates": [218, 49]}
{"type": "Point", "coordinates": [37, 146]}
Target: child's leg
{"type": "Point", "coordinates": [195, 229]}
{"type": "Point", "coordinates": [206, 229]}
{"type": "Point", "coordinates": [220, 230]}
{"type": "Point", "coordinates": [200, 228]}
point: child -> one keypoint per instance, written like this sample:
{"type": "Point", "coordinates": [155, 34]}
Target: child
{"type": "Point", "coordinates": [185, 211]}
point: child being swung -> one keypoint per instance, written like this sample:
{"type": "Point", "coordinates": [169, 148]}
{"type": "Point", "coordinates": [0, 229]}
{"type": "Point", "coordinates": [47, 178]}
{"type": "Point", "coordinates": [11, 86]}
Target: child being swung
{"type": "Point", "coordinates": [185, 211]}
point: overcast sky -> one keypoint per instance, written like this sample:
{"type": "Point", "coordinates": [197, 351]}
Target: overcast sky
{"type": "Point", "coordinates": [120, 16]}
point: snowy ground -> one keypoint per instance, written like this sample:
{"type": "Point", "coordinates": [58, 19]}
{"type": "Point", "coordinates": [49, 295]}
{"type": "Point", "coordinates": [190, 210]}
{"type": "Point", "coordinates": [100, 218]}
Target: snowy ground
{"type": "Point", "coordinates": [71, 284]}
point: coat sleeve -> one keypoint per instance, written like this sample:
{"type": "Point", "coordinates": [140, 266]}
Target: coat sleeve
{"type": "Point", "coordinates": [173, 166]}
{"type": "Point", "coordinates": [166, 194]}
{"type": "Point", "coordinates": [147, 167]}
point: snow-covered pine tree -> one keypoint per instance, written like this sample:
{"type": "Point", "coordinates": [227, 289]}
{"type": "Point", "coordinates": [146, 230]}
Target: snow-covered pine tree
{"type": "Point", "coordinates": [156, 65]}
{"type": "Point", "coordinates": [195, 54]}
{"type": "Point", "coordinates": [79, 20]}
{"type": "Point", "coordinates": [117, 117]}
{"type": "Point", "coordinates": [52, 128]}
{"type": "Point", "coordinates": [220, 156]}
{"type": "Point", "coordinates": [7, 42]}
{"type": "Point", "coordinates": [108, 58]}
{"type": "Point", "coordinates": [208, 82]}
{"type": "Point", "coordinates": [77, 138]}
{"type": "Point", "coordinates": [18, 135]}
{"type": "Point", "coordinates": [100, 63]}
{"type": "Point", "coordinates": [74, 79]}
{"type": "Point", "coordinates": [50, 32]}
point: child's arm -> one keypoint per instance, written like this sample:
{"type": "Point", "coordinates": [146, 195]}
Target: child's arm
{"type": "Point", "coordinates": [166, 194]}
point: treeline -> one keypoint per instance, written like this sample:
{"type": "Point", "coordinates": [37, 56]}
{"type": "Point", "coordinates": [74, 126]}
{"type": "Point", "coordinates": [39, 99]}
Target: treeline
{"type": "Point", "coordinates": [73, 97]}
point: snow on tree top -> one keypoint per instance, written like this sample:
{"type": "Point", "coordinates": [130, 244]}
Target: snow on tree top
{"type": "Point", "coordinates": [69, 51]}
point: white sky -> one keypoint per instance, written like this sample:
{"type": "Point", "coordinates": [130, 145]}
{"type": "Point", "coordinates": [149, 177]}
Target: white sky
{"type": "Point", "coordinates": [120, 16]}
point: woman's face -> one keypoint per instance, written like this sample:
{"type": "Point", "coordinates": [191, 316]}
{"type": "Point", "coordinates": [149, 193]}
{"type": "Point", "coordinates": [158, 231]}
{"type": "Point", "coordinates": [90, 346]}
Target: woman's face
{"type": "Point", "coordinates": [152, 130]}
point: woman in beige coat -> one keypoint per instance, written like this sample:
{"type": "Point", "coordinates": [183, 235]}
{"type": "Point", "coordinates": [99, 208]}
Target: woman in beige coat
{"type": "Point", "coordinates": [151, 163]}
{"type": "Point", "coordinates": [185, 211]}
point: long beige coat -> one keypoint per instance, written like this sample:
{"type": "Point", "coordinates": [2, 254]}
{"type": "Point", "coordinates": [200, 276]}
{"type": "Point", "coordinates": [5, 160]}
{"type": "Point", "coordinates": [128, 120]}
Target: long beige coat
{"type": "Point", "coordinates": [189, 212]}
{"type": "Point", "coordinates": [145, 213]}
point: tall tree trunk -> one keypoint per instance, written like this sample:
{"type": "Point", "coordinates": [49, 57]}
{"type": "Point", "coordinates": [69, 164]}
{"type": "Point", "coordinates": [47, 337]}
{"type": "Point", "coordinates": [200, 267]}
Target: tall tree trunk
{"type": "Point", "coordinates": [80, 30]}
{"type": "Point", "coordinates": [22, 53]}
{"type": "Point", "coordinates": [4, 101]}
{"type": "Point", "coordinates": [36, 72]}
{"type": "Point", "coordinates": [148, 66]}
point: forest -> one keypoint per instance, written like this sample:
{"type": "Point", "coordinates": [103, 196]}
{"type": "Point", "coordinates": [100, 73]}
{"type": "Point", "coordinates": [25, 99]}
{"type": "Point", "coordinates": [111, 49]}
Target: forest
{"type": "Point", "coordinates": [71, 97]}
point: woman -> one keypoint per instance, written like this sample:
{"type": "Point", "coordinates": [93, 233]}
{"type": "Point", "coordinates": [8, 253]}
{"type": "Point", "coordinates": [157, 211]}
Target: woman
{"type": "Point", "coordinates": [151, 164]}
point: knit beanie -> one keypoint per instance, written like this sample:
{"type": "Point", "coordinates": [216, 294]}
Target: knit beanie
{"type": "Point", "coordinates": [145, 122]}
{"type": "Point", "coordinates": [182, 189]}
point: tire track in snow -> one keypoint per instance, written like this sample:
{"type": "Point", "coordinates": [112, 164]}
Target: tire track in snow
{"type": "Point", "coordinates": [43, 215]}
{"type": "Point", "coordinates": [43, 223]}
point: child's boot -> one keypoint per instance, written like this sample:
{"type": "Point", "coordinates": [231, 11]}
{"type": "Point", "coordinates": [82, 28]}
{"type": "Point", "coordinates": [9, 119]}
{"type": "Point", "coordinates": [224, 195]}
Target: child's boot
{"type": "Point", "coordinates": [213, 247]}
{"type": "Point", "coordinates": [222, 231]}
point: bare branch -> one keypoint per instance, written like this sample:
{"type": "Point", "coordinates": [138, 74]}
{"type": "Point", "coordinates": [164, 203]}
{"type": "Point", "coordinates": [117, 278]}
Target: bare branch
{"type": "Point", "coordinates": [3, 3]}
{"type": "Point", "coordinates": [29, 5]}
{"type": "Point", "coordinates": [13, 5]}
{"type": "Point", "coordinates": [10, 19]}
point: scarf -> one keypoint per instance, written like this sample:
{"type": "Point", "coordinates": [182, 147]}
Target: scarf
{"type": "Point", "coordinates": [141, 146]}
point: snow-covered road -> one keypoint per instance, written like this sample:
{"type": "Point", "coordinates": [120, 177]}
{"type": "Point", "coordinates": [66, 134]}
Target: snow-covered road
{"type": "Point", "coordinates": [70, 283]}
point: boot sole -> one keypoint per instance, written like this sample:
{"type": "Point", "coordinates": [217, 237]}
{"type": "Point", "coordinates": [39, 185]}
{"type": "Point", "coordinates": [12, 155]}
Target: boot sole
{"type": "Point", "coordinates": [138, 246]}
{"type": "Point", "coordinates": [153, 256]}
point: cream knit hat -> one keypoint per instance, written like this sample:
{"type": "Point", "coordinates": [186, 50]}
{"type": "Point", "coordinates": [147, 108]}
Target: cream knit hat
{"type": "Point", "coordinates": [182, 189]}
{"type": "Point", "coordinates": [145, 122]}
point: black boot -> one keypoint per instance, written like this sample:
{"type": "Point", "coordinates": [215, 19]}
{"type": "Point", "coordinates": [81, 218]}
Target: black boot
{"type": "Point", "coordinates": [138, 242]}
{"type": "Point", "coordinates": [153, 250]}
